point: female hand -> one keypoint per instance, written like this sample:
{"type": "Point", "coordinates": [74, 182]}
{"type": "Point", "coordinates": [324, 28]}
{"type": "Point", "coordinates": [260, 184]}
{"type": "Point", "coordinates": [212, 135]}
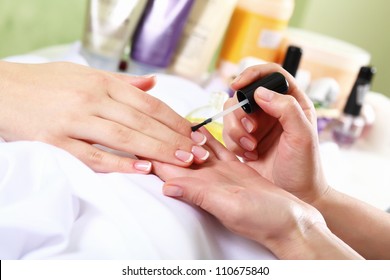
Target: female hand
{"type": "Point", "coordinates": [280, 140]}
{"type": "Point", "coordinates": [251, 206]}
{"type": "Point", "coordinates": [74, 107]}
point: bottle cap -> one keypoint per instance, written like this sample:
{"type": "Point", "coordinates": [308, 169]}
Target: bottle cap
{"type": "Point", "coordinates": [366, 73]}
{"type": "Point", "coordinates": [275, 81]}
{"type": "Point", "coordinates": [292, 59]}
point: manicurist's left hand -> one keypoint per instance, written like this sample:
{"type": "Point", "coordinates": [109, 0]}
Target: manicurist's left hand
{"type": "Point", "coordinates": [280, 140]}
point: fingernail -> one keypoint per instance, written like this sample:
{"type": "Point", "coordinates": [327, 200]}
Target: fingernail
{"type": "Point", "coordinates": [247, 125]}
{"type": "Point", "coordinates": [251, 155]}
{"type": "Point", "coordinates": [142, 165]}
{"type": "Point", "coordinates": [200, 152]}
{"type": "Point", "coordinates": [198, 137]}
{"type": "Point", "coordinates": [264, 94]}
{"type": "Point", "coordinates": [184, 156]}
{"type": "Point", "coordinates": [173, 191]}
{"type": "Point", "coordinates": [247, 144]}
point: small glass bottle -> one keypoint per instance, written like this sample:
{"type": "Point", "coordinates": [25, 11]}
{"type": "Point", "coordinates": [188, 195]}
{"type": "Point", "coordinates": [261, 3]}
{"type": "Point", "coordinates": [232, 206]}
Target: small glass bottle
{"type": "Point", "coordinates": [215, 105]}
{"type": "Point", "coordinates": [349, 126]}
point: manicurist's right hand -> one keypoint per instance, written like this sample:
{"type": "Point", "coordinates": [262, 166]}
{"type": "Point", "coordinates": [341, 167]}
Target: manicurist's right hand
{"type": "Point", "coordinates": [280, 140]}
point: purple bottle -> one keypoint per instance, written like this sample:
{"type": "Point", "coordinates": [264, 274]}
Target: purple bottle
{"type": "Point", "coordinates": [159, 31]}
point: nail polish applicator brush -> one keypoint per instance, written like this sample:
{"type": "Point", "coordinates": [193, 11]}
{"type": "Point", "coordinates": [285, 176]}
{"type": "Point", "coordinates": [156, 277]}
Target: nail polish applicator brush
{"type": "Point", "coordinates": [275, 81]}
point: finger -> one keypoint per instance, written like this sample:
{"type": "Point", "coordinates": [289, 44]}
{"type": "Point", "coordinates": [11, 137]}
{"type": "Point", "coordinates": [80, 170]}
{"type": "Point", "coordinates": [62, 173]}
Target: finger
{"type": "Point", "coordinates": [119, 137]}
{"type": "Point", "coordinates": [103, 161]}
{"type": "Point", "coordinates": [213, 199]}
{"type": "Point", "coordinates": [216, 148]}
{"type": "Point", "coordinates": [237, 132]}
{"type": "Point", "coordinates": [150, 106]}
{"type": "Point", "coordinates": [167, 171]}
{"type": "Point", "coordinates": [135, 120]}
{"type": "Point", "coordinates": [254, 73]}
{"type": "Point", "coordinates": [269, 140]}
{"type": "Point", "coordinates": [286, 109]}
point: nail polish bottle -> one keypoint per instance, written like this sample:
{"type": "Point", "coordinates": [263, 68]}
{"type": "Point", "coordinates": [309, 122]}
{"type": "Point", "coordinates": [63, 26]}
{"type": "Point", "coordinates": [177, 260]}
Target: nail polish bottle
{"type": "Point", "coordinates": [349, 126]}
{"type": "Point", "coordinates": [292, 59]}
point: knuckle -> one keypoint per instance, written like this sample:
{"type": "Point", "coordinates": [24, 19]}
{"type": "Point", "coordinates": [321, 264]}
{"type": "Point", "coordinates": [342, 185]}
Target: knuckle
{"type": "Point", "coordinates": [123, 135]}
{"type": "Point", "coordinates": [96, 157]}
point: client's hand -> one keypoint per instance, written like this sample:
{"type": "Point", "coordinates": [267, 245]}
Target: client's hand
{"type": "Point", "coordinates": [279, 141]}
{"type": "Point", "coordinates": [250, 205]}
{"type": "Point", "coordinates": [74, 107]}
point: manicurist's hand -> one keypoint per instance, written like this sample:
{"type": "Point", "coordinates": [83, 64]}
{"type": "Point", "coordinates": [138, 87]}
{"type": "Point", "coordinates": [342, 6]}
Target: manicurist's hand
{"type": "Point", "coordinates": [251, 206]}
{"type": "Point", "coordinates": [74, 107]}
{"type": "Point", "coordinates": [280, 140]}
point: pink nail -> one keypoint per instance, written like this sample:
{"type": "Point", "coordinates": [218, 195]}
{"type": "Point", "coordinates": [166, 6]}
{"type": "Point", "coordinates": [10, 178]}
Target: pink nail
{"type": "Point", "coordinates": [247, 124]}
{"type": "Point", "coordinates": [198, 137]}
{"type": "Point", "coordinates": [184, 156]}
{"type": "Point", "coordinates": [142, 165]}
{"type": "Point", "coordinates": [173, 191]}
{"type": "Point", "coordinates": [247, 144]}
{"type": "Point", "coordinates": [200, 152]}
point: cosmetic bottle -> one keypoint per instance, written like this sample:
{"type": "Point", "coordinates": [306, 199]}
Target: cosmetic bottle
{"type": "Point", "coordinates": [201, 38]}
{"type": "Point", "coordinates": [109, 26]}
{"type": "Point", "coordinates": [215, 105]}
{"type": "Point", "coordinates": [349, 126]}
{"type": "Point", "coordinates": [257, 30]}
{"type": "Point", "coordinates": [292, 59]}
{"type": "Point", "coordinates": [158, 34]}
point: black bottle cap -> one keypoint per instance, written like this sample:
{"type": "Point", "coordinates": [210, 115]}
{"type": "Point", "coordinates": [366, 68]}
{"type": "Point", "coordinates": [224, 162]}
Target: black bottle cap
{"type": "Point", "coordinates": [360, 88]}
{"type": "Point", "coordinates": [275, 81]}
{"type": "Point", "coordinates": [292, 59]}
{"type": "Point", "coordinates": [366, 73]}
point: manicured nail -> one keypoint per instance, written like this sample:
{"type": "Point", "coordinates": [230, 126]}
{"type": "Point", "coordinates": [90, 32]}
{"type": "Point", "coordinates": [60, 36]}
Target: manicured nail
{"type": "Point", "coordinates": [247, 144]}
{"type": "Point", "coordinates": [143, 165]}
{"type": "Point", "coordinates": [200, 152]}
{"type": "Point", "coordinates": [184, 156]}
{"type": "Point", "coordinates": [173, 191]}
{"type": "Point", "coordinates": [198, 137]}
{"type": "Point", "coordinates": [251, 155]}
{"type": "Point", "coordinates": [248, 125]}
{"type": "Point", "coordinates": [264, 94]}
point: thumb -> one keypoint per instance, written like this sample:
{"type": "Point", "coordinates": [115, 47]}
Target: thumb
{"type": "Point", "coordinates": [197, 191]}
{"type": "Point", "coordinates": [285, 108]}
{"type": "Point", "coordinates": [189, 189]}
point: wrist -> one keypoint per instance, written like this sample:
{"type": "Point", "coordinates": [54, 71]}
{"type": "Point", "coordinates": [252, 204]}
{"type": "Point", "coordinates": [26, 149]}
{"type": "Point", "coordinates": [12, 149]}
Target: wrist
{"type": "Point", "coordinates": [312, 241]}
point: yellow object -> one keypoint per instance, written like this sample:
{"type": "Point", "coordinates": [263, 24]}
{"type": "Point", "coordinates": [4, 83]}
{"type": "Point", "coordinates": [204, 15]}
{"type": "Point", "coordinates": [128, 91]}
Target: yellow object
{"type": "Point", "coordinates": [256, 29]}
{"type": "Point", "coordinates": [215, 105]}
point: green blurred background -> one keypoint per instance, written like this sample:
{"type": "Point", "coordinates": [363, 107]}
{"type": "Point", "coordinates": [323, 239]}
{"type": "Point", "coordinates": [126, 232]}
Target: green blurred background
{"type": "Point", "coordinates": [27, 25]}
